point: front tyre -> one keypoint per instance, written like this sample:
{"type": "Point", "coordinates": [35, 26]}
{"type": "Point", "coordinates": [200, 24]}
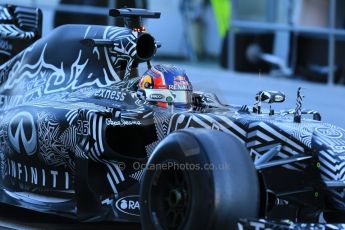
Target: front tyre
{"type": "Point", "coordinates": [198, 179]}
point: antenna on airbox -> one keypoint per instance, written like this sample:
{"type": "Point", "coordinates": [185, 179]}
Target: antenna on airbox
{"type": "Point", "coordinates": [133, 17]}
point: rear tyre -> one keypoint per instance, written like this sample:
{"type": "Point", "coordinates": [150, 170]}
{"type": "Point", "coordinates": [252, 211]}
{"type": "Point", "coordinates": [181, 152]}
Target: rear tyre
{"type": "Point", "coordinates": [198, 179]}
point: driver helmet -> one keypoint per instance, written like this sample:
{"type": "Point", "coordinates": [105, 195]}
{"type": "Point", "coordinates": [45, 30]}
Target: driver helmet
{"type": "Point", "coordinates": [165, 85]}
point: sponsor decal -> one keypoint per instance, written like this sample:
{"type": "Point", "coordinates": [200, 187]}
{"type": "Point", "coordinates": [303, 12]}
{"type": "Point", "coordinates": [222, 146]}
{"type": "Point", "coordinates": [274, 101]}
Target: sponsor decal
{"type": "Point", "coordinates": [38, 176]}
{"type": "Point", "coordinates": [22, 133]}
{"type": "Point", "coordinates": [180, 87]}
{"type": "Point", "coordinates": [129, 205]}
{"type": "Point", "coordinates": [110, 94]}
{"type": "Point", "coordinates": [169, 99]}
{"type": "Point", "coordinates": [329, 132]}
{"type": "Point", "coordinates": [156, 96]}
{"type": "Point", "coordinates": [122, 122]}
{"type": "Point", "coordinates": [179, 78]}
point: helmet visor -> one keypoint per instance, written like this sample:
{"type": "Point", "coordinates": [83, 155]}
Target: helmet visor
{"type": "Point", "coordinates": [183, 97]}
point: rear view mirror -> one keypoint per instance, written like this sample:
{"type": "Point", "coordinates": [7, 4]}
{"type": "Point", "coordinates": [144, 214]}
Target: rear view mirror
{"type": "Point", "coordinates": [270, 96]}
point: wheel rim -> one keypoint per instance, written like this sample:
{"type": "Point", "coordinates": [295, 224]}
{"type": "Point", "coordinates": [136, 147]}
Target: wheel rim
{"type": "Point", "coordinates": [170, 198]}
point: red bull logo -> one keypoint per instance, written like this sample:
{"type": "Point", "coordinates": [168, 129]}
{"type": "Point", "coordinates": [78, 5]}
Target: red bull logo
{"type": "Point", "coordinates": [179, 78]}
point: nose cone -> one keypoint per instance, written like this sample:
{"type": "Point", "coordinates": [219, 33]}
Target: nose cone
{"type": "Point", "coordinates": [329, 141]}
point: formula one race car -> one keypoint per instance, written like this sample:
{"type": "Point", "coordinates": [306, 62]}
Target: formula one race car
{"type": "Point", "coordinates": [83, 135]}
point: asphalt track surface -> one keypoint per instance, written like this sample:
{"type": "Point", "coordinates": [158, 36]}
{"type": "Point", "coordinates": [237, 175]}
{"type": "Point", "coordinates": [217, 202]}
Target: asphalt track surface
{"type": "Point", "coordinates": [232, 88]}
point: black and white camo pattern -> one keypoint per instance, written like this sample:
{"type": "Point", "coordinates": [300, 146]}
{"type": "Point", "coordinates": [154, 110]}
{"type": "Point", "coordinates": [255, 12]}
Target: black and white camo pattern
{"type": "Point", "coordinates": [124, 48]}
{"type": "Point", "coordinates": [261, 134]}
{"type": "Point", "coordinates": [298, 110]}
{"type": "Point", "coordinates": [24, 23]}
{"type": "Point", "coordinates": [4, 14]}
{"type": "Point", "coordinates": [13, 32]}
{"type": "Point", "coordinates": [331, 141]}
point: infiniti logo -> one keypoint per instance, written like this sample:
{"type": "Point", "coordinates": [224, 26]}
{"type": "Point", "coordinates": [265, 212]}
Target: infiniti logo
{"type": "Point", "coordinates": [22, 133]}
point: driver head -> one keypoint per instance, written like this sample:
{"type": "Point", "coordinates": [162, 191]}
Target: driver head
{"type": "Point", "coordinates": [164, 84]}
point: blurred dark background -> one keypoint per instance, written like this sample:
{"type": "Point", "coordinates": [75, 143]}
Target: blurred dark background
{"type": "Point", "coordinates": [301, 39]}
